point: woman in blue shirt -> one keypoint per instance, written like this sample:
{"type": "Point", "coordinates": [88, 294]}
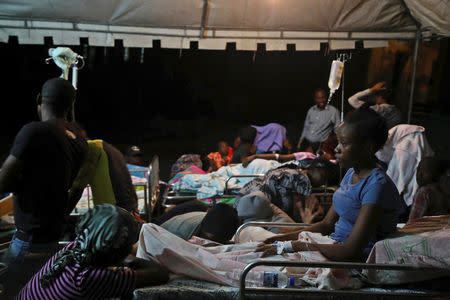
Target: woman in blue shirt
{"type": "Point", "coordinates": [365, 207]}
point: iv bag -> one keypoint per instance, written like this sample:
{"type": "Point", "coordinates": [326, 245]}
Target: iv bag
{"type": "Point", "coordinates": [335, 75]}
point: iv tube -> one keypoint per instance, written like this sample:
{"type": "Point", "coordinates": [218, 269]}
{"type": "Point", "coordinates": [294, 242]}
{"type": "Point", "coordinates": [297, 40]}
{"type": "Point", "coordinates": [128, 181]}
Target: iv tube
{"type": "Point", "coordinates": [334, 81]}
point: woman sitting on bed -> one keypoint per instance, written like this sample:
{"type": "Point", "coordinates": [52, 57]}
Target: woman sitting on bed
{"type": "Point", "coordinates": [92, 266]}
{"type": "Point", "coordinates": [365, 207]}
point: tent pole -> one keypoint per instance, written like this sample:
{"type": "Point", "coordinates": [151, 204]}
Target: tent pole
{"type": "Point", "coordinates": [413, 75]}
{"type": "Point", "coordinates": [203, 21]}
{"type": "Point", "coordinates": [342, 96]}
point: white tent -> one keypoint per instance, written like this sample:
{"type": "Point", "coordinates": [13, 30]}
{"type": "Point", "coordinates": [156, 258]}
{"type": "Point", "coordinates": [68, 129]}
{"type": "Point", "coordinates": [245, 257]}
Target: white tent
{"type": "Point", "coordinates": [213, 23]}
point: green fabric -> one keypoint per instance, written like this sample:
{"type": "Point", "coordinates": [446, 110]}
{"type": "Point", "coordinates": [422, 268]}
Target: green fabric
{"type": "Point", "coordinates": [102, 189]}
{"type": "Point", "coordinates": [95, 172]}
{"type": "Point", "coordinates": [229, 201]}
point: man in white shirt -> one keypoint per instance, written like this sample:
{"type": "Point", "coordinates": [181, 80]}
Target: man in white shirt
{"type": "Point", "coordinates": [321, 121]}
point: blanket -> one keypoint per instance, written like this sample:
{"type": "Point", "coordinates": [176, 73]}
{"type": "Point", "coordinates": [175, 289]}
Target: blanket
{"type": "Point", "coordinates": [423, 242]}
{"type": "Point", "coordinates": [213, 184]}
{"type": "Point", "coordinates": [223, 264]}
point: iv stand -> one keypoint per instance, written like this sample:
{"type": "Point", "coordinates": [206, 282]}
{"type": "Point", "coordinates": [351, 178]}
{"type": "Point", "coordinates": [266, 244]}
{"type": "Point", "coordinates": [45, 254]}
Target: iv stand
{"type": "Point", "coordinates": [65, 64]}
{"type": "Point", "coordinates": [344, 57]}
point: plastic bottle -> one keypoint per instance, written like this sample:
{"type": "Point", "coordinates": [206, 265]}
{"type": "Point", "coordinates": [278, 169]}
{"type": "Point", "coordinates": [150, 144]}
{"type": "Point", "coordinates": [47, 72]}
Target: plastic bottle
{"type": "Point", "coordinates": [266, 279]}
{"type": "Point", "coordinates": [337, 67]}
{"type": "Point", "coordinates": [295, 282]}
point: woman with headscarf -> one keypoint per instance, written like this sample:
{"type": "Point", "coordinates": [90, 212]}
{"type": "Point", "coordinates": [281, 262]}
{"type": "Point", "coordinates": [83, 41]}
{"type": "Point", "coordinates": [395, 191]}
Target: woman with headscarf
{"type": "Point", "coordinates": [92, 266]}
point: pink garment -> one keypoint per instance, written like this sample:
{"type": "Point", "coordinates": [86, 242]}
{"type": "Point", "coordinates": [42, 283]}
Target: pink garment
{"type": "Point", "coordinates": [191, 170]}
{"type": "Point", "coordinates": [304, 155]}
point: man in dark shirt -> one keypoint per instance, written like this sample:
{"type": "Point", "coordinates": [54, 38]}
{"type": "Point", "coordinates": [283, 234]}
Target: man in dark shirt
{"type": "Point", "coordinates": [42, 164]}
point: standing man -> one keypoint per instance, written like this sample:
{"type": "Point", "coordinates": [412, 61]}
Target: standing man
{"type": "Point", "coordinates": [377, 97]}
{"type": "Point", "coordinates": [321, 122]}
{"type": "Point", "coordinates": [42, 164]}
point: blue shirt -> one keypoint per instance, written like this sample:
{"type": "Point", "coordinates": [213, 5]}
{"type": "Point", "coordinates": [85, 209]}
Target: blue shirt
{"type": "Point", "coordinates": [377, 188]}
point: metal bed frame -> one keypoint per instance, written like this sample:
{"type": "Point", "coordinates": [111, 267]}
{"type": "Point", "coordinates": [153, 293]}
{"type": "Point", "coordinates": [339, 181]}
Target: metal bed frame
{"type": "Point", "coordinates": [176, 199]}
{"type": "Point", "coordinates": [243, 290]}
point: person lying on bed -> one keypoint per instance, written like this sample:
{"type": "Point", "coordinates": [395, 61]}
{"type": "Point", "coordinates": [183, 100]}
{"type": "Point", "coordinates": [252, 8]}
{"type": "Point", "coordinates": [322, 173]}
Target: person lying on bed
{"type": "Point", "coordinates": [365, 207]}
{"type": "Point", "coordinates": [279, 157]}
{"type": "Point", "coordinates": [93, 266]}
{"type": "Point", "coordinates": [218, 224]}
{"type": "Point", "coordinates": [284, 185]}
{"type": "Point", "coordinates": [430, 199]}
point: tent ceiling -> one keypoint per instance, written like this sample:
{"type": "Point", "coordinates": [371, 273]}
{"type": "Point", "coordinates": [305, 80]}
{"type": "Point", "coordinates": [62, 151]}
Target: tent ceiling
{"type": "Point", "coordinates": [176, 23]}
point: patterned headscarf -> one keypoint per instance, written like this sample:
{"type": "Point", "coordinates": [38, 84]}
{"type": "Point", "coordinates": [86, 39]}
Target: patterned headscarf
{"type": "Point", "coordinates": [105, 236]}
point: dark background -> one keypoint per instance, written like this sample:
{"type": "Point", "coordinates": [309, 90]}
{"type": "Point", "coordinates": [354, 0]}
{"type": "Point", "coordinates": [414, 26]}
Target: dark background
{"type": "Point", "coordinates": [171, 102]}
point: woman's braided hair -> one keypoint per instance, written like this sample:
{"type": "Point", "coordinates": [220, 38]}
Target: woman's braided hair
{"type": "Point", "coordinates": [105, 235]}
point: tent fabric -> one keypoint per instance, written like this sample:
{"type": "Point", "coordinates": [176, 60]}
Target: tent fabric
{"type": "Point", "coordinates": [176, 23]}
{"type": "Point", "coordinates": [431, 14]}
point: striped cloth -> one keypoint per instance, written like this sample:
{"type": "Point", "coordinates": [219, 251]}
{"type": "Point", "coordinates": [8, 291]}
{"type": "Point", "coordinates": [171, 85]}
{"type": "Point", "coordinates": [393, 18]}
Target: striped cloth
{"type": "Point", "coordinates": [80, 283]}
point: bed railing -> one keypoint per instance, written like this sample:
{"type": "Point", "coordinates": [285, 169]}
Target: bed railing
{"type": "Point", "coordinates": [243, 290]}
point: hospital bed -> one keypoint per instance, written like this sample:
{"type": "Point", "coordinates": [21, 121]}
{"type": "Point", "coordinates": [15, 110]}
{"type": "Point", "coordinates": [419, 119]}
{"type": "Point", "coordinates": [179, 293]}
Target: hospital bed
{"type": "Point", "coordinates": [367, 292]}
{"type": "Point", "coordinates": [183, 288]}
{"type": "Point", "coordinates": [172, 198]}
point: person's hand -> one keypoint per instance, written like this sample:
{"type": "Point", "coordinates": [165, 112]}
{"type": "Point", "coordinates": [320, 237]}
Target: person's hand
{"type": "Point", "coordinates": [310, 210]}
{"type": "Point", "coordinates": [247, 160]}
{"type": "Point", "coordinates": [266, 249]}
{"type": "Point", "coordinates": [282, 237]}
{"type": "Point", "coordinates": [379, 86]}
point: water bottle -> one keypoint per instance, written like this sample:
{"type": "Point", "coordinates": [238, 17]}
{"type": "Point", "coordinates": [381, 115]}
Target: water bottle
{"type": "Point", "coordinates": [295, 282]}
{"type": "Point", "coordinates": [266, 279]}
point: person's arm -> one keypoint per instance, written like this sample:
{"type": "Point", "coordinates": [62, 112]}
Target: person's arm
{"type": "Point", "coordinates": [325, 227]}
{"type": "Point", "coordinates": [279, 157]}
{"type": "Point", "coordinates": [354, 100]}
{"type": "Point", "coordinates": [419, 205]}
{"type": "Point", "coordinates": [351, 250]}
{"type": "Point", "coordinates": [9, 174]}
{"type": "Point", "coordinates": [353, 247]}
{"type": "Point", "coordinates": [147, 272]}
